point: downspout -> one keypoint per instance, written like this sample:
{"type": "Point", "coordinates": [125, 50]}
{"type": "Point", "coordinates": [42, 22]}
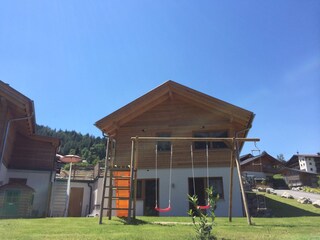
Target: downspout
{"type": "Point", "coordinates": [7, 132]}
{"type": "Point", "coordinates": [90, 198]}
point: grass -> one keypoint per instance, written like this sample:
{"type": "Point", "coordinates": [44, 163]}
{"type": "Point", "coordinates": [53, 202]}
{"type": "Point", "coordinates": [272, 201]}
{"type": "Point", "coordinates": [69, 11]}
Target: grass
{"type": "Point", "coordinates": [311, 190]}
{"type": "Point", "coordinates": [149, 228]}
{"type": "Point", "coordinates": [282, 207]}
{"type": "Point", "coordinates": [291, 220]}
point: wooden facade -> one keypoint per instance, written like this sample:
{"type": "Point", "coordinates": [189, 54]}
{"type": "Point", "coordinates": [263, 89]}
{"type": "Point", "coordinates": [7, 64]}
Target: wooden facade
{"type": "Point", "coordinates": [20, 147]}
{"type": "Point", "coordinates": [176, 111]}
{"type": "Point", "coordinates": [294, 177]}
{"type": "Point", "coordinates": [263, 162]}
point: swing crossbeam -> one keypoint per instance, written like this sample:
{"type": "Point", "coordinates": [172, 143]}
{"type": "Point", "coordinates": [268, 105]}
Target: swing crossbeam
{"type": "Point", "coordinates": [202, 139]}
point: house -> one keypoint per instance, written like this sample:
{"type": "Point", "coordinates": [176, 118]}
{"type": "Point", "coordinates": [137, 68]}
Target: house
{"type": "Point", "coordinates": [297, 178]}
{"type": "Point", "coordinates": [27, 160]}
{"type": "Point", "coordinates": [174, 110]}
{"type": "Point", "coordinates": [262, 166]}
{"type": "Point", "coordinates": [305, 162]}
{"type": "Point", "coordinates": [83, 191]}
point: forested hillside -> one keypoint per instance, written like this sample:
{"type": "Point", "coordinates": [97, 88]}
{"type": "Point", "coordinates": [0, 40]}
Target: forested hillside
{"type": "Point", "coordinates": [88, 147]}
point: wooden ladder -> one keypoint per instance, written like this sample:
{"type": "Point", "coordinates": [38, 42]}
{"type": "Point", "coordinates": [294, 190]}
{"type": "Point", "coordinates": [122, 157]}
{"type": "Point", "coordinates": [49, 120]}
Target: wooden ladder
{"type": "Point", "coordinates": [261, 203]}
{"type": "Point", "coordinates": [119, 182]}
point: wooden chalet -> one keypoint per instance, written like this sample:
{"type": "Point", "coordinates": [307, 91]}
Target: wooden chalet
{"type": "Point", "coordinates": [297, 178]}
{"type": "Point", "coordinates": [260, 166]}
{"type": "Point", "coordinates": [174, 110]}
{"type": "Point", "coordinates": [25, 157]}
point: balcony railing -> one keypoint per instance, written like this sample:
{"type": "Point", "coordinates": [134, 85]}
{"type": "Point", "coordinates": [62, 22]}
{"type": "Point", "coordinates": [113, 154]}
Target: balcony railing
{"type": "Point", "coordinates": [79, 173]}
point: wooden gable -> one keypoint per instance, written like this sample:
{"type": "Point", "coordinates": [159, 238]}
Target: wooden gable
{"type": "Point", "coordinates": [178, 111]}
{"type": "Point", "coordinates": [172, 90]}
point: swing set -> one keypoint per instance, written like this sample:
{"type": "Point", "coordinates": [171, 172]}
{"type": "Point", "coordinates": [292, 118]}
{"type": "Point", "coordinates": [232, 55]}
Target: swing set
{"type": "Point", "coordinates": [234, 142]}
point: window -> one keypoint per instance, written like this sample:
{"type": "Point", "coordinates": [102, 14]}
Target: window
{"type": "Point", "coordinates": [311, 169]}
{"type": "Point", "coordinates": [217, 184]}
{"type": "Point", "coordinates": [211, 145]}
{"type": "Point", "coordinates": [200, 187]}
{"type": "Point", "coordinates": [164, 145]}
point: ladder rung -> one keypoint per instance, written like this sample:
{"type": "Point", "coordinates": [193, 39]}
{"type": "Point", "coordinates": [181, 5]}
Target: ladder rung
{"type": "Point", "coordinates": [117, 209]}
{"type": "Point", "coordinates": [118, 188]}
{"type": "Point", "coordinates": [119, 198]}
{"type": "Point", "coordinates": [119, 169]}
{"type": "Point", "coordinates": [120, 177]}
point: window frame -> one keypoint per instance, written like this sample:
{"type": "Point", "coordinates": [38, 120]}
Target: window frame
{"type": "Point", "coordinates": [163, 146]}
{"type": "Point", "coordinates": [200, 145]}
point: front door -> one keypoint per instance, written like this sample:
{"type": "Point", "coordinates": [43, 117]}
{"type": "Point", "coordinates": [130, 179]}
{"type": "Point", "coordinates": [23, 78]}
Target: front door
{"type": "Point", "coordinates": [75, 202]}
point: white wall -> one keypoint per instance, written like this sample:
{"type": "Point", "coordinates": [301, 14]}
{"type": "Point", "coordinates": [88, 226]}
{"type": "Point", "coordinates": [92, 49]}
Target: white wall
{"type": "Point", "coordinates": [179, 202]}
{"type": "Point", "coordinates": [307, 164]}
{"type": "Point", "coordinates": [39, 181]}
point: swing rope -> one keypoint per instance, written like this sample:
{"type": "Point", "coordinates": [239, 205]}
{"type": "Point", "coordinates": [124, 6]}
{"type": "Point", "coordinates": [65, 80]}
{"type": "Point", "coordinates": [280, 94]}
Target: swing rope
{"type": "Point", "coordinates": [157, 208]}
{"type": "Point", "coordinates": [194, 185]}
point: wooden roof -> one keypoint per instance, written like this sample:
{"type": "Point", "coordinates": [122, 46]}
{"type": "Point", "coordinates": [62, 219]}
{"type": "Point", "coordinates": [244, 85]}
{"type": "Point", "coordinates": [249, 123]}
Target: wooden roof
{"type": "Point", "coordinates": [21, 106]}
{"type": "Point", "coordinates": [171, 89]}
{"type": "Point", "coordinates": [264, 156]}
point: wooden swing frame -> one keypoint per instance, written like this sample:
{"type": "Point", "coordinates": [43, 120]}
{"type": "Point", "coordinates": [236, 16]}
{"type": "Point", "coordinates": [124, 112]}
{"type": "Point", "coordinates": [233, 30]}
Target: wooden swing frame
{"type": "Point", "coordinates": [235, 158]}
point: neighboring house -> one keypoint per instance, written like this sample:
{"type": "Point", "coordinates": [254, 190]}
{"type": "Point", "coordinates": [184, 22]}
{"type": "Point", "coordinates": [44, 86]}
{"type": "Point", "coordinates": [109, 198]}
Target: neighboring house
{"type": "Point", "coordinates": [173, 110]}
{"type": "Point", "coordinates": [305, 162]}
{"type": "Point", "coordinates": [262, 166]}
{"type": "Point", "coordinates": [296, 178]}
{"type": "Point", "coordinates": [27, 160]}
{"type": "Point", "coordinates": [83, 191]}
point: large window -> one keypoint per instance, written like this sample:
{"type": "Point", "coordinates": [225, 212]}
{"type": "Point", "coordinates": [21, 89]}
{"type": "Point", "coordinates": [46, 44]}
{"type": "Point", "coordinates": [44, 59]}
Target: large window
{"type": "Point", "coordinates": [164, 145]}
{"type": "Point", "coordinates": [217, 185]}
{"type": "Point", "coordinates": [211, 134]}
{"type": "Point", "coordinates": [201, 184]}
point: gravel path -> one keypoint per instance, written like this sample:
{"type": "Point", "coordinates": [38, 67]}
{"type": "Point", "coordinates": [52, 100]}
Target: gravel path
{"type": "Point", "coordinates": [296, 194]}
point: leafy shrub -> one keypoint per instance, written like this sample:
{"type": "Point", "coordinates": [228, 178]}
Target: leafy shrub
{"type": "Point", "coordinates": [205, 224]}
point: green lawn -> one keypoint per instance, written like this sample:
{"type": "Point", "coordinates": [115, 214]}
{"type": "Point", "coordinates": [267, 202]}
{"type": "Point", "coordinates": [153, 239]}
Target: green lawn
{"type": "Point", "coordinates": [291, 221]}
{"type": "Point", "coordinates": [147, 228]}
{"type": "Point", "coordinates": [282, 207]}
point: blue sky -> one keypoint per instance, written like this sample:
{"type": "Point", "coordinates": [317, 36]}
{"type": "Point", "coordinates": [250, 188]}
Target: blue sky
{"type": "Point", "coordinates": [81, 60]}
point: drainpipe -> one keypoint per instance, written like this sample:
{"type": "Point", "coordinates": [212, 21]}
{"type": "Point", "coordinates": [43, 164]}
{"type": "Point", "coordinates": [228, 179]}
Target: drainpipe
{"type": "Point", "coordinates": [7, 132]}
{"type": "Point", "coordinates": [90, 198]}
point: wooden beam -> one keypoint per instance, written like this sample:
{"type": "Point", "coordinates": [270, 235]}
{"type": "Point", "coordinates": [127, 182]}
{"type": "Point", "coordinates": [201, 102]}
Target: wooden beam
{"type": "Point", "coordinates": [104, 182]}
{"type": "Point", "coordinates": [231, 183]}
{"type": "Point", "coordinates": [209, 139]}
{"type": "Point", "coordinates": [132, 163]}
{"type": "Point", "coordinates": [244, 197]}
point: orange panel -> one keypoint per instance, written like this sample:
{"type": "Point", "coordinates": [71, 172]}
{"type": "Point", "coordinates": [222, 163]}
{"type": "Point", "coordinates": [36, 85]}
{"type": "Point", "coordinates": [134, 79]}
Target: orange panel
{"type": "Point", "coordinates": [122, 193]}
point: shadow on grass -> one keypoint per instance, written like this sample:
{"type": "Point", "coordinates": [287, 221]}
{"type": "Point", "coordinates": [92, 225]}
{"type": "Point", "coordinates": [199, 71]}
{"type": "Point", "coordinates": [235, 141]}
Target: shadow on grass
{"type": "Point", "coordinates": [125, 221]}
{"type": "Point", "coordinates": [280, 209]}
